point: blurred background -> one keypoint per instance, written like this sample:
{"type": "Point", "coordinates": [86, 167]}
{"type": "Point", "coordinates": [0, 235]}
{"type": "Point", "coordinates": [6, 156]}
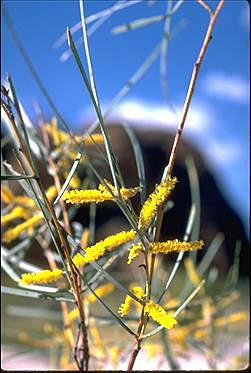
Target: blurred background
{"type": "Point", "coordinates": [218, 122]}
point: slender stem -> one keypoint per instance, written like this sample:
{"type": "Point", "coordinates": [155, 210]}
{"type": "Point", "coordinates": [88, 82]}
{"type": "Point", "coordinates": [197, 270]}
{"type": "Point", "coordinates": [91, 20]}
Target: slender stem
{"type": "Point", "coordinates": [208, 37]}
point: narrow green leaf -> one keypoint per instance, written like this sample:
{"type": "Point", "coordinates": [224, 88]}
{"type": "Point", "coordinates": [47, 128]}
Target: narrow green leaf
{"type": "Point", "coordinates": [139, 160]}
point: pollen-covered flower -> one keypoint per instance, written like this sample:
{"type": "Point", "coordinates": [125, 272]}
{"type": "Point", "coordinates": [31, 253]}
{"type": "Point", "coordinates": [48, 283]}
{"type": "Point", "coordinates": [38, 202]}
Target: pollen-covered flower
{"type": "Point", "coordinates": [42, 277]}
{"type": "Point", "coordinates": [59, 137]}
{"type": "Point", "coordinates": [96, 251]}
{"type": "Point", "coordinates": [97, 195]}
{"type": "Point", "coordinates": [6, 195]}
{"type": "Point", "coordinates": [158, 314]}
{"type": "Point", "coordinates": [17, 212]}
{"type": "Point", "coordinates": [155, 200]}
{"type": "Point", "coordinates": [138, 292]}
{"type": "Point", "coordinates": [174, 245]}
{"type": "Point", "coordinates": [134, 251]}
{"type": "Point", "coordinates": [125, 307]}
{"type": "Point", "coordinates": [13, 233]}
{"type": "Point", "coordinates": [164, 248]}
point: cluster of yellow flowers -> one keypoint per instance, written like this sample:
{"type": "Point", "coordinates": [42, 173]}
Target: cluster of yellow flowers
{"type": "Point", "coordinates": [97, 195]}
{"type": "Point", "coordinates": [155, 311]}
{"type": "Point", "coordinates": [42, 277]}
{"type": "Point", "coordinates": [60, 137]}
{"type": "Point", "coordinates": [155, 200]}
{"type": "Point", "coordinates": [164, 248]}
{"type": "Point", "coordinates": [62, 141]}
{"type": "Point", "coordinates": [100, 248]}
{"type": "Point", "coordinates": [29, 212]}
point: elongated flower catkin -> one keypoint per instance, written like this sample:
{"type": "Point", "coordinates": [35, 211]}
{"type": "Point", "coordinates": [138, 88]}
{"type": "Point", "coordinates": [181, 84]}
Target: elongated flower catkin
{"type": "Point", "coordinates": [13, 233]}
{"type": "Point", "coordinates": [174, 245]}
{"type": "Point", "coordinates": [164, 248]}
{"type": "Point", "coordinates": [158, 314]}
{"type": "Point", "coordinates": [43, 277]}
{"type": "Point", "coordinates": [154, 201]}
{"type": "Point", "coordinates": [134, 251]}
{"type": "Point", "coordinates": [125, 307]}
{"type": "Point", "coordinates": [6, 195]}
{"type": "Point", "coordinates": [60, 137]}
{"type": "Point", "coordinates": [102, 247]}
{"type": "Point", "coordinates": [17, 212]}
{"type": "Point", "coordinates": [97, 195]}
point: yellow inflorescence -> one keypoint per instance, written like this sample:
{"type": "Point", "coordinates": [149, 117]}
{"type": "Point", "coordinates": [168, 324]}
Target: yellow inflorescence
{"type": "Point", "coordinates": [155, 311]}
{"type": "Point", "coordinates": [13, 233]}
{"type": "Point", "coordinates": [43, 277]}
{"type": "Point", "coordinates": [51, 193]}
{"type": "Point", "coordinates": [174, 245]}
{"type": "Point", "coordinates": [158, 314]}
{"type": "Point", "coordinates": [164, 248]}
{"type": "Point", "coordinates": [94, 138]}
{"type": "Point", "coordinates": [60, 137]}
{"type": "Point", "coordinates": [155, 200]}
{"type": "Point", "coordinates": [125, 307]}
{"type": "Point", "coordinates": [134, 251]}
{"type": "Point", "coordinates": [138, 292]}
{"type": "Point", "coordinates": [97, 195]}
{"type": "Point", "coordinates": [17, 212]}
{"type": "Point", "coordinates": [6, 195]}
{"type": "Point", "coordinates": [100, 248]}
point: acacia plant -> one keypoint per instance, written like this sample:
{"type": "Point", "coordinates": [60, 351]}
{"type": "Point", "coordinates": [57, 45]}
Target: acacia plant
{"type": "Point", "coordinates": [79, 267]}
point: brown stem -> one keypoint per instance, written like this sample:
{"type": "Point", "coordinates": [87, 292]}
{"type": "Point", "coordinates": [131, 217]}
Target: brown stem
{"type": "Point", "coordinates": [64, 243]}
{"type": "Point", "coordinates": [208, 36]}
{"type": "Point", "coordinates": [134, 355]}
{"type": "Point", "coordinates": [56, 178]}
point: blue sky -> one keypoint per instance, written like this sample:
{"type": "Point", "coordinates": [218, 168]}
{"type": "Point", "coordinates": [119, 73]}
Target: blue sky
{"type": "Point", "coordinates": [218, 122]}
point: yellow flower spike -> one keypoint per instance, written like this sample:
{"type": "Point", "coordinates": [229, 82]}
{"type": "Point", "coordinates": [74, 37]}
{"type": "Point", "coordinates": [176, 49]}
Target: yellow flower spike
{"type": "Point", "coordinates": [17, 212]}
{"type": "Point", "coordinates": [94, 138]}
{"type": "Point", "coordinates": [25, 201]}
{"type": "Point", "coordinates": [6, 195]}
{"type": "Point", "coordinates": [58, 136]}
{"type": "Point", "coordinates": [114, 354]}
{"type": "Point", "coordinates": [101, 291]}
{"type": "Point", "coordinates": [134, 251]}
{"type": "Point", "coordinates": [174, 245]}
{"type": "Point", "coordinates": [97, 195]}
{"type": "Point", "coordinates": [74, 314]}
{"type": "Point", "coordinates": [154, 201]}
{"type": "Point", "coordinates": [138, 292]}
{"type": "Point", "coordinates": [102, 247]}
{"type": "Point", "coordinates": [158, 314]}
{"type": "Point", "coordinates": [13, 233]}
{"type": "Point", "coordinates": [125, 307]}
{"type": "Point", "coordinates": [191, 271]}
{"type": "Point", "coordinates": [42, 277]}
{"type": "Point", "coordinates": [51, 193]}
